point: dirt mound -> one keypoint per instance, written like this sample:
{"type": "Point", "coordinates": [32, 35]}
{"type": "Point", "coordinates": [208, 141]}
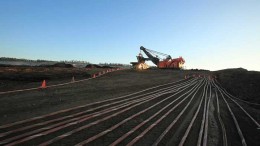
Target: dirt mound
{"type": "Point", "coordinates": [107, 67]}
{"type": "Point", "coordinates": [36, 74]}
{"type": "Point", "coordinates": [97, 66]}
{"type": "Point", "coordinates": [93, 66]}
{"type": "Point", "coordinates": [241, 83]}
{"type": "Point", "coordinates": [9, 65]}
{"type": "Point", "coordinates": [4, 65]}
{"type": "Point", "coordinates": [62, 64]}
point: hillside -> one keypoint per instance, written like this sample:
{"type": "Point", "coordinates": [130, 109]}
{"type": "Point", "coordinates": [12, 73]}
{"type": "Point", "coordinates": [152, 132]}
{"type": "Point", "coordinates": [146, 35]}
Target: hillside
{"type": "Point", "coordinates": [241, 83]}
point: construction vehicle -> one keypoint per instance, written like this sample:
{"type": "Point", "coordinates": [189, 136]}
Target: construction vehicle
{"type": "Point", "coordinates": [165, 63]}
{"type": "Point", "coordinates": [140, 65]}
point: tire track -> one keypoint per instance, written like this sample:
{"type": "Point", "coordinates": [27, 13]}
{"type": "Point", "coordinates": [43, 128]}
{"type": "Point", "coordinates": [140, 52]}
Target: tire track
{"type": "Point", "coordinates": [243, 141]}
{"type": "Point", "coordinates": [58, 126]}
{"type": "Point", "coordinates": [182, 142]}
{"type": "Point", "coordinates": [85, 112]}
{"type": "Point", "coordinates": [167, 114]}
{"type": "Point", "coordinates": [159, 139]}
{"type": "Point", "coordinates": [223, 130]}
{"type": "Point", "coordinates": [89, 125]}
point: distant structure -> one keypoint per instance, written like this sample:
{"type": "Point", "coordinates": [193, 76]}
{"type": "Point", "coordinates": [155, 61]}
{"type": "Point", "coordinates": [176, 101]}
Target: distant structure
{"type": "Point", "coordinates": [166, 63]}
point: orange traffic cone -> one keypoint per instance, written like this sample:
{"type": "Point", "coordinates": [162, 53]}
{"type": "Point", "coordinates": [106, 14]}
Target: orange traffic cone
{"type": "Point", "coordinates": [43, 84]}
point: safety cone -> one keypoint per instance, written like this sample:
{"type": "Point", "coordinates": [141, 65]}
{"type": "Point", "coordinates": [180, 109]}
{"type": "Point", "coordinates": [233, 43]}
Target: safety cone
{"type": "Point", "coordinates": [43, 84]}
{"type": "Point", "coordinates": [94, 76]}
{"type": "Point", "coordinates": [73, 79]}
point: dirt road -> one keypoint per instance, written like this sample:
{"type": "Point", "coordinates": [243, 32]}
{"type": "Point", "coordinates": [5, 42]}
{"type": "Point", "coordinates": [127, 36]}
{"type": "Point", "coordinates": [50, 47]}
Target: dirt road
{"type": "Point", "coordinates": [192, 111]}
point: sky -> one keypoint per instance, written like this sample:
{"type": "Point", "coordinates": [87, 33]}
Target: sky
{"type": "Point", "coordinates": [208, 34]}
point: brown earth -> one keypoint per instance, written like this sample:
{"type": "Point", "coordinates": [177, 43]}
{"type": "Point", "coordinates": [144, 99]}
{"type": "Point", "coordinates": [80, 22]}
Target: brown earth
{"type": "Point", "coordinates": [28, 104]}
{"type": "Point", "coordinates": [241, 83]}
{"type": "Point", "coordinates": [18, 106]}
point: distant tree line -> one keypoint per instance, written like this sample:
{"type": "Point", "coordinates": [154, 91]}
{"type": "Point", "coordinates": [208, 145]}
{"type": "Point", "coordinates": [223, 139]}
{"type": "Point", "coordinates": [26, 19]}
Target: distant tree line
{"type": "Point", "coordinates": [40, 60]}
{"type": "Point", "coordinates": [75, 61]}
{"type": "Point", "coordinates": [21, 59]}
{"type": "Point", "coordinates": [65, 61]}
{"type": "Point", "coordinates": [114, 64]}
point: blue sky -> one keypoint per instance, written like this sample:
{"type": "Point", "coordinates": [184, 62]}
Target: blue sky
{"type": "Point", "coordinates": [208, 34]}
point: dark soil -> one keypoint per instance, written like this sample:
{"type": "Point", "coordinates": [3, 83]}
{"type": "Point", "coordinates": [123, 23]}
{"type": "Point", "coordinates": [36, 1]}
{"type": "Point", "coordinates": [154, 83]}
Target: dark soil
{"type": "Point", "coordinates": [241, 83]}
{"type": "Point", "coordinates": [97, 66]}
{"type": "Point", "coordinates": [29, 104]}
{"type": "Point", "coordinates": [12, 78]}
{"type": "Point", "coordinates": [23, 105]}
{"type": "Point", "coordinates": [64, 65]}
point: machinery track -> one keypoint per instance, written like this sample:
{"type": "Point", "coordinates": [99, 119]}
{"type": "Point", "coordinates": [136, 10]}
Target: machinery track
{"type": "Point", "coordinates": [179, 113]}
{"type": "Point", "coordinates": [247, 128]}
